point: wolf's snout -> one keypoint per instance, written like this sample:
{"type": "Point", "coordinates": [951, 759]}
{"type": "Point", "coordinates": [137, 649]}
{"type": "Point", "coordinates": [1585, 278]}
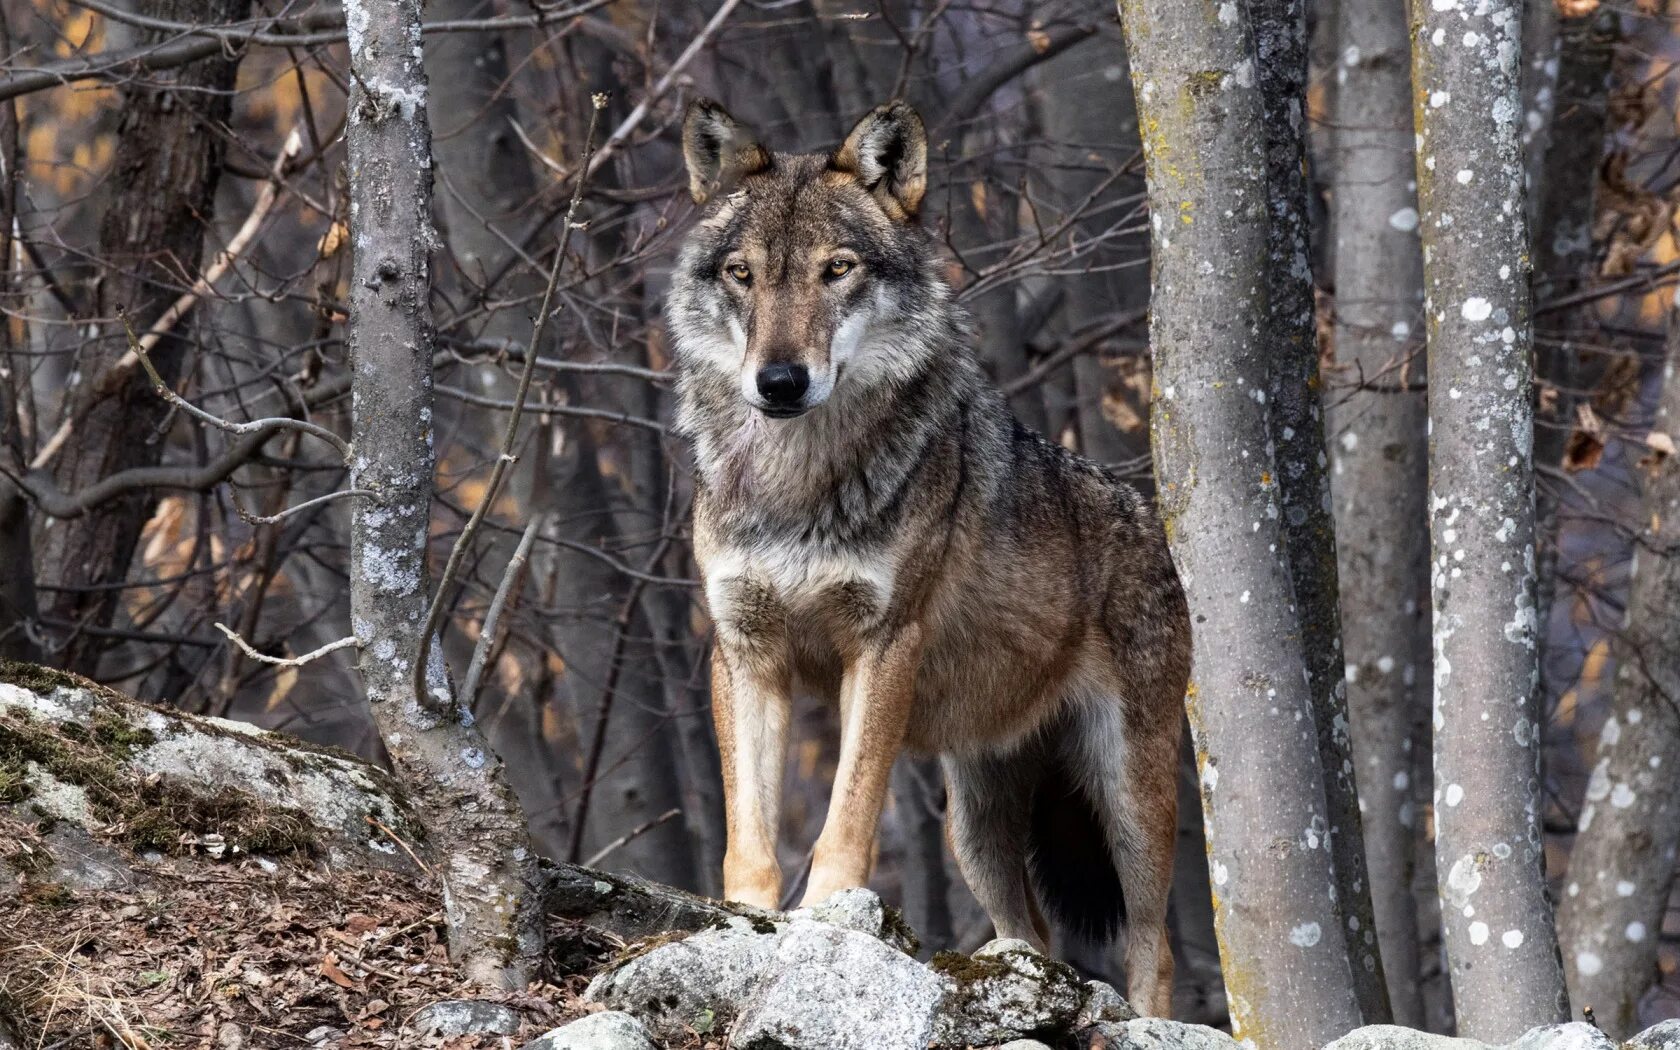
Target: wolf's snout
{"type": "Point", "coordinates": [783, 388]}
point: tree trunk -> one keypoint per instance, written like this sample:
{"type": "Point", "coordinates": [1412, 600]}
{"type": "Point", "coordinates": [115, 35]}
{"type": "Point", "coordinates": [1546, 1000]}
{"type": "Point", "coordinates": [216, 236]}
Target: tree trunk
{"type": "Point", "coordinates": [1622, 866]}
{"type": "Point", "coordinates": [1564, 261]}
{"type": "Point", "coordinates": [1501, 946]}
{"type": "Point", "coordinates": [1283, 949]}
{"type": "Point", "coordinates": [164, 179]}
{"type": "Point", "coordinates": [1297, 432]}
{"type": "Point", "coordinates": [488, 870]}
{"type": "Point", "coordinates": [1379, 452]}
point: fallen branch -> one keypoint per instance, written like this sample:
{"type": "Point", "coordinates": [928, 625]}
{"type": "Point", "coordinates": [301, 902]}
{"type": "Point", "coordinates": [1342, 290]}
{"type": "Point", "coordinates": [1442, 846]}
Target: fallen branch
{"type": "Point", "coordinates": [285, 661]}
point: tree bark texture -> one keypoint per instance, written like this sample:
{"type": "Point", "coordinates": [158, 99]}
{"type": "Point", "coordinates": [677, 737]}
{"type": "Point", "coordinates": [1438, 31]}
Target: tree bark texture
{"type": "Point", "coordinates": [1297, 431]}
{"type": "Point", "coordinates": [1378, 419]}
{"type": "Point", "coordinates": [1622, 867]}
{"type": "Point", "coordinates": [1501, 945]}
{"type": "Point", "coordinates": [164, 177]}
{"type": "Point", "coordinates": [477, 828]}
{"type": "Point", "coordinates": [1282, 941]}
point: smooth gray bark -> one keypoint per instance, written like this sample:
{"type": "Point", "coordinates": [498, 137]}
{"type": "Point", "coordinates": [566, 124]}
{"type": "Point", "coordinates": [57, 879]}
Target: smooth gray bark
{"type": "Point", "coordinates": [458, 785]}
{"type": "Point", "coordinates": [1622, 866]}
{"type": "Point", "coordinates": [1377, 417]}
{"type": "Point", "coordinates": [1282, 942]}
{"type": "Point", "coordinates": [1501, 945]}
{"type": "Point", "coordinates": [1296, 426]}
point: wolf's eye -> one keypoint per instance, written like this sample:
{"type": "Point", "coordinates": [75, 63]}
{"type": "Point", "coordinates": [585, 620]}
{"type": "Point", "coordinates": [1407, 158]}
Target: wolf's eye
{"type": "Point", "coordinates": [840, 267]}
{"type": "Point", "coordinates": [739, 271]}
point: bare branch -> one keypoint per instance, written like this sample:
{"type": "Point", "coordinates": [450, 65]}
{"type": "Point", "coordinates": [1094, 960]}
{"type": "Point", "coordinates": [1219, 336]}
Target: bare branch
{"type": "Point", "coordinates": [288, 661]}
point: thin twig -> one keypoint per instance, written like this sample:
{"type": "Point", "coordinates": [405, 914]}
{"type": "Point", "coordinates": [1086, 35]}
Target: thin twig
{"type": "Point", "coordinates": [254, 426]}
{"type": "Point", "coordinates": [201, 287]}
{"type": "Point", "coordinates": [271, 519]}
{"type": "Point", "coordinates": [629, 836]}
{"type": "Point", "coordinates": [440, 600]}
{"type": "Point", "coordinates": [511, 580]}
{"type": "Point", "coordinates": [286, 661]}
{"type": "Point", "coordinates": [394, 837]}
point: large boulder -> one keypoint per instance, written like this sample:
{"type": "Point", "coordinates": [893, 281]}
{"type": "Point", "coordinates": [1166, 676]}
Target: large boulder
{"type": "Point", "coordinates": [77, 755]}
{"type": "Point", "coordinates": [831, 988]}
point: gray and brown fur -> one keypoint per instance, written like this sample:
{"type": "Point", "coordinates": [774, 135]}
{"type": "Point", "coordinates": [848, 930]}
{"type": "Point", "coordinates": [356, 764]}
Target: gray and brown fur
{"type": "Point", "coordinates": [901, 545]}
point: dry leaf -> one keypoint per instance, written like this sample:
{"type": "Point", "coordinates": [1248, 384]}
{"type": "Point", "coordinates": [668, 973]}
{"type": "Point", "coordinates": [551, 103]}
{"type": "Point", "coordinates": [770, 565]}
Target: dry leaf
{"type": "Point", "coordinates": [1039, 39]}
{"type": "Point", "coordinates": [330, 970]}
{"type": "Point", "coordinates": [1661, 443]}
{"type": "Point", "coordinates": [1576, 8]}
{"type": "Point", "coordinates": [332, 240]}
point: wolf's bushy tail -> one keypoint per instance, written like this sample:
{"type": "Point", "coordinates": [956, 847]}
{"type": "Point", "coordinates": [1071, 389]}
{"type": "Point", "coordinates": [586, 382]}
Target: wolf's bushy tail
{"type": "Point", "coordinates": [1070, 860]}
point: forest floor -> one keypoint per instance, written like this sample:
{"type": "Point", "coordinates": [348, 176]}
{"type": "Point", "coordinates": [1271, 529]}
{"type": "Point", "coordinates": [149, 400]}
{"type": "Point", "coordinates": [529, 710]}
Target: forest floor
{"type": "Point", "coordinates": [227, 955]}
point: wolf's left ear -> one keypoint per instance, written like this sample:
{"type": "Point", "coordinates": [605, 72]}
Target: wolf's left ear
{"type": "Point", "coordinates": [718, 150]}
{"type": "Point", "coordinates": [887, 153]}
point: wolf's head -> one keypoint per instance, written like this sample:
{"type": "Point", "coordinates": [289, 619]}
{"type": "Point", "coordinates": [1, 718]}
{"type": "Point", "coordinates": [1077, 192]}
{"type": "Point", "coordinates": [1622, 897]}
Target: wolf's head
{"type": "Point", "coordinates": [806, 270]}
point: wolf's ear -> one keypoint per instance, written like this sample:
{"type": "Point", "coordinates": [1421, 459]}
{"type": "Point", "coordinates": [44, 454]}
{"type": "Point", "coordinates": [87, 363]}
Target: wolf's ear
{"type": "Point", "coordinates": [887, 152]}
{"type": "Point", "coordinates": [718, 149]}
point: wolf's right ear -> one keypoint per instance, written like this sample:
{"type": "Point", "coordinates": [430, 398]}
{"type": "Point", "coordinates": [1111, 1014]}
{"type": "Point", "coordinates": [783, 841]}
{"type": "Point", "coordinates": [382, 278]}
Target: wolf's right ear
{"type": "Point", "coordinates": [718, 150]}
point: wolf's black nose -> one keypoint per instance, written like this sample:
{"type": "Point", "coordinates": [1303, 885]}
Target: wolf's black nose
{"type": "Point", "coordinates": [783, 386]}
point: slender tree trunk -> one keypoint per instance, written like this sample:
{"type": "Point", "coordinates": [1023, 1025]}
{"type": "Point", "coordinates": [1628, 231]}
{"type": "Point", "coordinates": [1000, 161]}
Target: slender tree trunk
{"type": "Point", "coordinates": [1282, 942]}
{"type": "Point", "coordinates": [1379, 451]}
{"type": "Point", "coordinates": [164, 176]}
{"type": "Point", "coordinates": [1501, 945]}
{"type": "Point", "coordinates": [1622, 866]}
{"type": "Point", "coordinates": [1563, 262]}
{"type": "Point", "coordinates": [1297, 433]}
{"type": "Point", "coordinates": [475, 824]}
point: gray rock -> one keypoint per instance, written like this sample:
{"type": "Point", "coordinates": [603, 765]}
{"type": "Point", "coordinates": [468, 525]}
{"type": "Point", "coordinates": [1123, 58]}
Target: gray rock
{"type": "Point", "coordinates": [1102, 1003]}
{"type": "Point", "coordinates": [1158, 1033]}
{"type": "Point", "coordinates": [1005, 991]}
{"type": "Point", "coordinates": [1577, 1035]}
{"type": "Point", "coordinates": [1664, 1035]}
{"type": "Point", "coordinates": [831, 988]}
{"type": "Point", "coordinates": [699, 982]}
{"type": "Point", "coordinates": [863, 911]}
{"type": "Point", "coordinates": [451, 1018]}
{"type": "Point", "coordinates": [611, 1030]}
{"type": "Point", "coordinates": [1394, 1037]}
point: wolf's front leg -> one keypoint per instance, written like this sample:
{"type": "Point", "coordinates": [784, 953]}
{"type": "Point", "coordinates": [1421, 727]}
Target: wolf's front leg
{"type": "Point", "coordinates": [751, 701]}
{"type": "Point", "coordinates": [875, 697]}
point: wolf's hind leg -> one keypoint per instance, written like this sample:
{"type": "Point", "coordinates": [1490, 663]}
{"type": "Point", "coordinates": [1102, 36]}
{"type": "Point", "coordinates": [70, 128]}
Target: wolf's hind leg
{"type": "Point", "coordinates": [1134, 787]}
{"type": "Point", "coordinates": [989, 818]}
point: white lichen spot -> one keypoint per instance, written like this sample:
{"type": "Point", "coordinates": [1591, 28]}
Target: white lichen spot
{"type": "Point", "coordinates": [1454, 794]}
{"type": "Point", "coordinates": [1588, 964]}
{"type": "Point", "coordinates": [1635, 932]}
{"type": "Point", "coordinates": [1478, 933]}
{"type": "Point", "coordinates": [1476, 308]}
{"type": "Point", "coordinates": [1624, 888]}
{"type": "Point", "coordinates": [1513, 939]}
{"type": "Point", "coordinates": [1405, 220]}
{"type": "Point", "coordinates": [1306, 935]}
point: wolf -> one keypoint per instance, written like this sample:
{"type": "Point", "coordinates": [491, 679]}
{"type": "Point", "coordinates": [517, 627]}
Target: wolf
{"type": "Point", "coordinates": [873, 525]}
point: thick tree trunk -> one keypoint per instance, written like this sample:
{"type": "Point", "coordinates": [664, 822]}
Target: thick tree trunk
{"type": "Point", "coordinates": [1297, 432]}
{"type": "Point", "coordinates": [487, 868]}
{"type": "Point", "coordinates": [1622, 866]}
{"type": "Point", "coordinates": [1379, 452]}
{"type": "Point", "coordinates": [1501, 945]}
{"type": "Point", "coordinates": [164, 179]}
{"type": "Point", "coordinates": [1282, 940]}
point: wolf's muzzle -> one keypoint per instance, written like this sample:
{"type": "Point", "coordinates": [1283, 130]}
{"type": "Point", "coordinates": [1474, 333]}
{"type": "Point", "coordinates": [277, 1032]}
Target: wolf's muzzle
{"type": "Point", "coordinates": [783, 388]}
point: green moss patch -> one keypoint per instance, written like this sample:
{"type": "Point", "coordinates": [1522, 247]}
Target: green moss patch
{"type": "Point", "coordinates": [155, 812]}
